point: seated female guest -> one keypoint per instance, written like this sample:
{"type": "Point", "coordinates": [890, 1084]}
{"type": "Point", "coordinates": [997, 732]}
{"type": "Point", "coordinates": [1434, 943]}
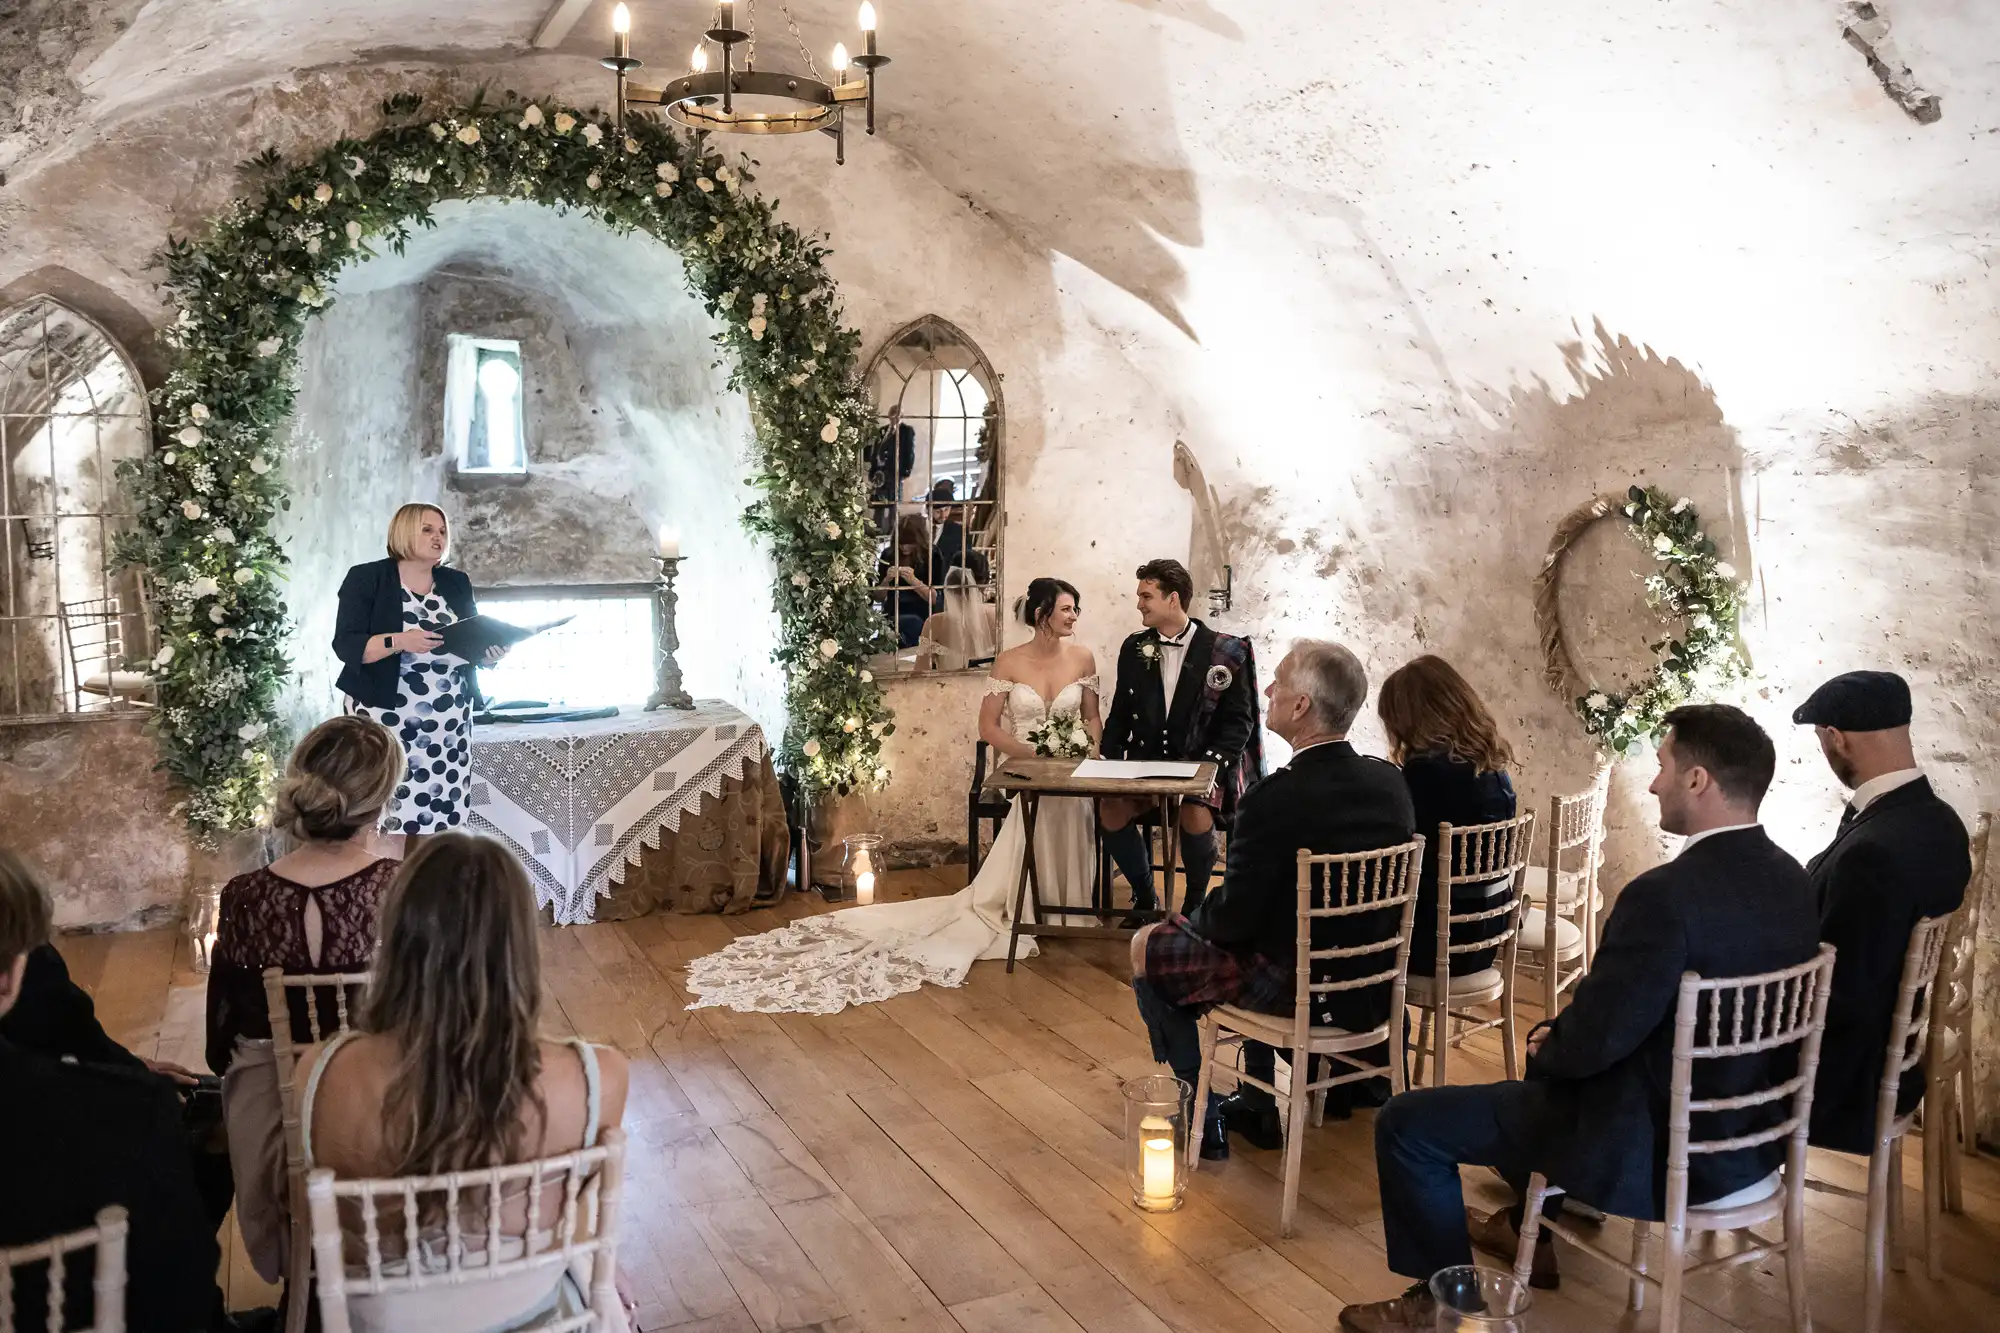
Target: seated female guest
{"type": "Point", "coordinates": [446, 1071]}
{"type": "Point", "coordinates": [1455, 764]}
{"type": "Point", "coordinates": [385, 634]}
{"type": "Point", "coordinates": [905, 571]}
{"type": "Point", "coordinates": [310, 911]}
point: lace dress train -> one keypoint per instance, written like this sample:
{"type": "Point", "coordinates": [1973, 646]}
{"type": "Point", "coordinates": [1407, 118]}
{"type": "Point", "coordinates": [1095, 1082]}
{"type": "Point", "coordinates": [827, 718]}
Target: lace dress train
{"type": "Point", "coordinates": [864, 954]}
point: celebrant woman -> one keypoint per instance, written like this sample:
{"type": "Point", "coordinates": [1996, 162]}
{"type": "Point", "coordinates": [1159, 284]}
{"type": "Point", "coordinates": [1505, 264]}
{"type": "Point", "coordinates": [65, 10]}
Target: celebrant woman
{"type": "Point", "coordinates": [395, 672]}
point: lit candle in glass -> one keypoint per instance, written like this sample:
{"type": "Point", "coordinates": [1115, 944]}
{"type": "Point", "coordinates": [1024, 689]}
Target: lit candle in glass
{"type": "Point", "coordinates": [868, 24]}
{"type": "Point", "coordinates": [1156, 1159]}
{"type": "Point", "coordinates": [621, 32]}
{"type": "Point", "coordinates": [670, 544]}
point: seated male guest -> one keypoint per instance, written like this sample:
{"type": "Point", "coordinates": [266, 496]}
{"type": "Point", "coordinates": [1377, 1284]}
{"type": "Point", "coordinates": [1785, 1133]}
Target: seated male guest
{"type": "Point", "coordinates": [1900, 855]}
{"type": "Point", "coordinates": [1592, 1113]}
{"type": "Point", "coordinates": [75, 1138]}
{"type": "Point", "coordinates": [1239, 946]}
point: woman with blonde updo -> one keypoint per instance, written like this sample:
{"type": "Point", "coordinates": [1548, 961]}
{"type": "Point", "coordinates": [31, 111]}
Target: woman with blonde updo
{"type": "Point", "coordinates": [312, 910]}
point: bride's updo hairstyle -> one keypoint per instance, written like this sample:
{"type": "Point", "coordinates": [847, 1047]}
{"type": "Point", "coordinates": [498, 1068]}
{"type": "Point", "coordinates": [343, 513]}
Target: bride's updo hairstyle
{"type": "Point", "coordinates": [338, 779]}
{"type": "Point", "coordinates": [1039, 603]}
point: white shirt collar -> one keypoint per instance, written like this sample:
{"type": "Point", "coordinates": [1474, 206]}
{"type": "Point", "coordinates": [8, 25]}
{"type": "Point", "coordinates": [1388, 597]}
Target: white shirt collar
{"type": "Point", "coordinates": [1876, 788]}
{"type": "Point", "coordinates": [1178, 640]}
{"type": "Point", "coordinates": [1694, 838]}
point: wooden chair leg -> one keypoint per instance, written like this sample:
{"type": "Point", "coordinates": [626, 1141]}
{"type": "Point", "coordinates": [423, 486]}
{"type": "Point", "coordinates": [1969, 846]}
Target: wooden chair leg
{"type": "Point", "coordinates": [1441, 1044]}
{"type": "Point", "coordinates": [1937, 1132]}
{"type": "Point", "coordinates": [298, 1268]}
{"type": "Point", "coordinates": [1509, 1033]}
{"type": "Point", "coordinates": [1640, 1231]}
{"type": "Point", "coordinates": [1797, 1298]}
{"type": "Point", "coordinates": [1673, 1266]}
{"type": "Point", "coordinates": [1295, 1142]}
{"type": "Point", "coordinates": [1531, 1227]}
{"type": "Point", "coordinates": [1894, 1238]}
{"type": "Point", "coordinates": [1872, 1237]}
{"type": "Point", "coordinates": [1963, 1129]}
{"type": "Point", "coordinates": [1198, 1113]}
{"type": "Point", "coordinates": [1423, 1044]}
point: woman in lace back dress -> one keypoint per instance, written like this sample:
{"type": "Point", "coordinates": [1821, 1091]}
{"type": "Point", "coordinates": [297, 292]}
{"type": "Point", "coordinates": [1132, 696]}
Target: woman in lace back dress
{"type": "Point", "coordinates": [825, 963]}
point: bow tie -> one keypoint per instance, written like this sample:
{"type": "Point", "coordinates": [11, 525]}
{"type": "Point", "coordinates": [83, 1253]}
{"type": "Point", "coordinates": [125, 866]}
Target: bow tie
{"type": "Point", "coordinates": [1177, 641]}
{"type": "Point", "coordinates": [1847, 814]}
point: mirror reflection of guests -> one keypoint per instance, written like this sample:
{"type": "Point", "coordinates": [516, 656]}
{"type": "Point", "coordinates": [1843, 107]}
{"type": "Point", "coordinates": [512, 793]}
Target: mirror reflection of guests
{"type": "Point", "coordinates": [393, 672]}
{"type": "Point", "coordinates": [951, 550]}
{"type": "Point", "coordinates": [966, 630]}
{"type": "Point", "coordinates": [905, 572]}
{"type": "Point", "coordinates": [825, 963]}
{"type": "Point", "coordinates": [889, 461]}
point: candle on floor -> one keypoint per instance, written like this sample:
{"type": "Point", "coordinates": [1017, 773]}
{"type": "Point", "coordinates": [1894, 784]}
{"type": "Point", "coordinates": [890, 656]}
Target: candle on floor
{"type": "Point", "coordinates": [864, 887]}
{"type": "Point", "coordinates": [1157, 1159]}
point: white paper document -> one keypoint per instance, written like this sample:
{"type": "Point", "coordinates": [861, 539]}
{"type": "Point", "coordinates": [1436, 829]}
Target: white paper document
{"type": "Point", "coordinates": [1134, 768]}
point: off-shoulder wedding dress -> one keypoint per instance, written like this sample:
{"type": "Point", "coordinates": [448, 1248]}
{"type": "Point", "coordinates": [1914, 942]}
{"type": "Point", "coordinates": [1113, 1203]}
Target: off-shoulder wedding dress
{"type": "Point", "coordinates": [825, 963]}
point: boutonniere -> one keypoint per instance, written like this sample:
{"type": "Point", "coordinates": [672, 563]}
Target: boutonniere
{"type": "Point", "coordinates": [1150, 650]}
{"type": "Point", "coordinates": [1220, 678]}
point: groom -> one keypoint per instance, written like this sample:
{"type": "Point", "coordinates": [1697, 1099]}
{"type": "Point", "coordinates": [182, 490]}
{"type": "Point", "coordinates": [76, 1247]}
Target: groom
{"type": "Point", "coordinates": [1183, 692]}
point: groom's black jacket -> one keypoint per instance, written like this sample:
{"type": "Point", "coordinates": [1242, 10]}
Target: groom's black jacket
{"type": "Point", "coordinates": [1212, 719]}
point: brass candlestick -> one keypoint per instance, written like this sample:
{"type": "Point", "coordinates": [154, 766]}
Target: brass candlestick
{"type": "Point", "coordinates": [668, 691]}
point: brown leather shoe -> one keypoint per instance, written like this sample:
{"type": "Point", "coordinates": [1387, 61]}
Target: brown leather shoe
{"type": "Point", "coordinates": [1415, 1311]}
{"type": "Point", "coordinates": [1496, 1234]}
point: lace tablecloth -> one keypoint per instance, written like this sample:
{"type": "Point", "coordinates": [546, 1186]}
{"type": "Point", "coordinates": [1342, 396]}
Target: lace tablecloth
{"type": "Point", "coordinates": [578, 801]}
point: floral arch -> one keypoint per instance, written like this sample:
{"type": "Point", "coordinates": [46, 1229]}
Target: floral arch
{"type": "Point", "coordinates": [205, 498]}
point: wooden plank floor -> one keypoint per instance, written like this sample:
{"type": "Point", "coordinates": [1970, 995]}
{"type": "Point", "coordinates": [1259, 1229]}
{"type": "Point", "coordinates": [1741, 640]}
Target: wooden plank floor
{"type": "Point", "coordinates": [951, 1160]}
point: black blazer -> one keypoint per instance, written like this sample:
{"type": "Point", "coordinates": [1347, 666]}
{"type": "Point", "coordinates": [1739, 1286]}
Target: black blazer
{"type": "Point", "coordinates": [1902, 858]}
{"type": "Point", "coordinates": [1328, 799]}
{"type": "Point", "coordinates": [1447, 790]}
{"type": "Point", "coordinates": [371, 605]}
{"type": "Point", "coordinates": [75, 1138]}
{"type": "Point", "coordinates": [54, 1016]}
{"type": "Point", "coordinates": [1733, 904]}
{"type": "Point", "coordinates": [1139, 725]}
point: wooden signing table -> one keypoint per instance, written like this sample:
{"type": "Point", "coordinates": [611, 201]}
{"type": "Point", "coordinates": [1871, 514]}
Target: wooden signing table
{"type": "Point", "coordinates": [1031, 780]}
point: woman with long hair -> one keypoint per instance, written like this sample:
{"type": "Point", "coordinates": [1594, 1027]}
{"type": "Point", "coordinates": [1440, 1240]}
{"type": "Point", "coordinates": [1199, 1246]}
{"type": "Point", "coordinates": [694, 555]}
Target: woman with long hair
{"type": "Point", "coordinates": [826, 962]}
{"type": "Point", "coordinates": [446, 1069]}
{"type": "Point", "coordinates": [386, 634]}
{"type": "Point", "coordinates": [1455, 762]}
{"type": "Point", "coordinates": [905, 575]}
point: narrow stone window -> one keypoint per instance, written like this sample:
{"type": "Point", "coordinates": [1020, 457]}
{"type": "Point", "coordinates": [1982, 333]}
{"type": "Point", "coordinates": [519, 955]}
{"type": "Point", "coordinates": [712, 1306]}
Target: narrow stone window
{"type": "Point", "coordinates": [483, 415]}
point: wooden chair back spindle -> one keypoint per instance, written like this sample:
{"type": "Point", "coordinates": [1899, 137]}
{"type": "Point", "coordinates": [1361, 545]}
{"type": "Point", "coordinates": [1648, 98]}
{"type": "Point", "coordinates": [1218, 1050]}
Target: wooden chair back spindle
{"type": "Point", "coordinates": [107, 1235]}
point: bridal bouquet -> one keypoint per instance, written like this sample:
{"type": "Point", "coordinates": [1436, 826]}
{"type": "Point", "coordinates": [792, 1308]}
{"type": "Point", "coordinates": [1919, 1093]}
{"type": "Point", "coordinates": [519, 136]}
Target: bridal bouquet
{"type": "Point", "coordinates": [1061, 736]}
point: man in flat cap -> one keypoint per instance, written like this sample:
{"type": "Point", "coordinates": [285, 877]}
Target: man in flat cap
{"type": "Point", "coordinates": [1900, 855]}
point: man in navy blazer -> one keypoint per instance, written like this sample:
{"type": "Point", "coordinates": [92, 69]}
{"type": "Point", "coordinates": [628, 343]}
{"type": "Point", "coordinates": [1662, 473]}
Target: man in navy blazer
{"type": "Point", "coordinates": [1592, 1112]}
{"type": "Point", "coordinates": [1900, 855]}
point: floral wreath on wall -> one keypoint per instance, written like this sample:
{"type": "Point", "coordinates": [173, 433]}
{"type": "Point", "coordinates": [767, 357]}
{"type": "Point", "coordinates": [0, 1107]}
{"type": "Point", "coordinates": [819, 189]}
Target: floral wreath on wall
{"type": "Point", "coordinates": [206, 498]}
{"type": "Point", "coordinates": [1692, 588]}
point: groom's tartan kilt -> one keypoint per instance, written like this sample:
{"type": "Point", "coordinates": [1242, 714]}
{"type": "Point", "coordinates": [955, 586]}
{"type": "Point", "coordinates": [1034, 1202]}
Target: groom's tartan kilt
{"type": "Point", "coordinates": [1188, 970]}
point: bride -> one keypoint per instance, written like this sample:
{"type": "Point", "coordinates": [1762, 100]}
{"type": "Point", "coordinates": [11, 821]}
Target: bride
{"type": "Point", "coordinates": [827, 962]}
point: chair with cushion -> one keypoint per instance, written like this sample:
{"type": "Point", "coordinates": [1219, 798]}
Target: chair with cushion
{"type": "Point", "coordinates": [315, 996]}
{"type": "Point", "coordinates": [1908, 1038]}
{"type": "Point", "coordinates": [474, 1249]}
{"type": "Point", "coordinates": [1473, 854]}
{"type": "Point", "coordinates": [1565, 892]}
{"type": "Point", "coordinates": [107, 1285]}
{"type": "Point", "coordinates": [1723, 1018]}
{"type": "Point", "coordinates": [1381, 888]}
{"type": "Point", "coordinates": [1950, 1113]}
{"type": "Point", "coordinates": [94, 631]}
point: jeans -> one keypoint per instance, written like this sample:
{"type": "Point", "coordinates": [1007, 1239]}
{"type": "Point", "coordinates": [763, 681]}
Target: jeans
{"type": "Point", "coordinates": [1421, 1139]}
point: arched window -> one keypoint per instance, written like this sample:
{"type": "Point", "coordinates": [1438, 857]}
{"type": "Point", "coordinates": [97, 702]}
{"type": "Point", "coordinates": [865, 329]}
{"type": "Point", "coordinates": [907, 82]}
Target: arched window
{"type": "Point", "coordinates": [74, 633]}
{"type": "Point", "coordinates": [934, 483]}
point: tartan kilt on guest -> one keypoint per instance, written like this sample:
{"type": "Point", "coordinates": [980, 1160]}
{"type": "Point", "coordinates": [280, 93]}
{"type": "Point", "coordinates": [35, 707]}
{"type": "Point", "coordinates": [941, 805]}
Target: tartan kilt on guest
{"type": "Point", "coordinates": [1189, 971]}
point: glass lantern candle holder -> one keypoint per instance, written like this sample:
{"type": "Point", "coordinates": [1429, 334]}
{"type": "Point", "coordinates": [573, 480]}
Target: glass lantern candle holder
{"type": "Point", "coordinates": [1156, 1139]}
{"type": "Point", "coordinates": [861, 864]}
{"type": "Point", "coordinates": [204, 914]}
{"type": "Point", "coordinates": [1471, 1299]}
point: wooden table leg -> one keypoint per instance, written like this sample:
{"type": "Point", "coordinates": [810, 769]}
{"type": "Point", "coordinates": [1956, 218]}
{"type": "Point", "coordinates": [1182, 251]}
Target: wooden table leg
{"type": "Point", "coordinates": [1030, 801]}
{"type": "Point", "coordinates": [1170, 851]}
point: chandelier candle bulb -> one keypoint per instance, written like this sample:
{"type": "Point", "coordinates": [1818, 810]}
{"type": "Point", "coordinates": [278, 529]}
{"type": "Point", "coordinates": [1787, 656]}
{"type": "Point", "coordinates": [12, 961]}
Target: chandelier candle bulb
{"type": "Point", "coordinates": [868, 24]}
{"type": "Point", "coordinates": [698, 62]}
{"type": "Point", "coordinates": [728, 13]}
{"type": "Point", "coordinates": [840, 60]}
{"type": "Point", "coordinates": [621, 32]}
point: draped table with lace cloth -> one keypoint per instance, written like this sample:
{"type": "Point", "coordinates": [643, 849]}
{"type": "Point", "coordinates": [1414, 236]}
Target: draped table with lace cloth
{"type": "Point", "coordinates": [614, 817]}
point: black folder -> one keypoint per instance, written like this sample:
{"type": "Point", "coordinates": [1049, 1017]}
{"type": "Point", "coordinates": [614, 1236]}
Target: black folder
{"type": "Point", "coordinates": [470, 639]}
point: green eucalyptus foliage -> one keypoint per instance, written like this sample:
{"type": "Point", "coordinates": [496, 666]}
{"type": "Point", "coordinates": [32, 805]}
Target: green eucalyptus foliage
{"type": "Point", "coordinates": [1692, 588]}
{"type": "Point", "coordinates": [206, 498]}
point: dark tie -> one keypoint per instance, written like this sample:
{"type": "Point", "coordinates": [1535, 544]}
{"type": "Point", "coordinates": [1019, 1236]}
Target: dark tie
{"type": "Point", "coordinates": [1847, 813]}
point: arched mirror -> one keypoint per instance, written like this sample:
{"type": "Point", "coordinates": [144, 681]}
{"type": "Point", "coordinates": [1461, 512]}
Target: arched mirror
{"type": "Point", "coordinates": [934, 486]}
{"type": "Point", "coordinates": [73, 629]}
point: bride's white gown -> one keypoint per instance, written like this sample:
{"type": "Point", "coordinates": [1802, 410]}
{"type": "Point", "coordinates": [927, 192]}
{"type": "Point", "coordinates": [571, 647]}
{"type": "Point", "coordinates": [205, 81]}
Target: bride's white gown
{"type": "Point", "coordinates": [825, 963]}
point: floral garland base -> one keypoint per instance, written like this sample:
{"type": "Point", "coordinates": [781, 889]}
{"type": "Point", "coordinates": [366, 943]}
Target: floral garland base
{"type": "Point", "coordinates": [206, 498]}
{"type": "Point", "coordinates": [1693, 588]}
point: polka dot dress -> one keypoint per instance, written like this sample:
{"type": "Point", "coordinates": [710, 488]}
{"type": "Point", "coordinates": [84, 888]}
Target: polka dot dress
{"type": "Point", "coordinates": [433, 716]}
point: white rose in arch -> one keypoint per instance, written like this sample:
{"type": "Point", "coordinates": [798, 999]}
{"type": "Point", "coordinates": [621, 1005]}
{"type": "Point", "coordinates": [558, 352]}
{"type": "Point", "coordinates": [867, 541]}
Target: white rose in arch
{"type": "Point", "coordinates": [631, 145]}
{"type": "Point", "coordinates": [809, 749]}
{"type": "Point", "coordinates": [199, 412]}
{"type": "Point", "coordinates": [259, 466]}
{"type": "Point", "coordinates": [663, 189]}
{"type": "Point", "coordinates": [829, 648]}
{"type": "Point", "coordinates": [833, 531]}
{"type": "Point", "coordinates": [245, 574]}
{"type": "Point", "coordinates": [592, 181]}
{"type": "Point", "coordinates": [867, 677]}
{"type": "Point", "coordinates": [1596, 702]}
{"type": "Point", "coordinates": [593, 135]}
{"type": "Point", "coordinates": [881, 774]}
{"type": "Point", "coordinates": [830, 432]}
{"type": "Point", "coordinates": [469, 135]}
{"type": "Point", "coordinates": [667, 171]}
{"type": "Point", "coordinates": [190, 510]}
{"type": "Point", "coordinates": [168, 458]}
{"type": "Point", "coordinates": [215, 612]}
{"type": "Point", "coordinates": [223, 537]}
{"type": "Point", "coordinates": [1723, 569]}
{"type": "Point", "coordinates": [1680, 504]}
{"type": "Point", "coordinates": [189, 437]}
{"type": "Point", "coordinates": [250, 731]}
{"type": "Point", "coordinates": [853, 724]}
{"type": "Point", "coordinates": [323, 192]}
{"type": "Point", "coordinates": [565, 122]}
{"type": "Point", "coordinates": [704, 184]}
{"type": "Point", "coordinates": [531, 117]}
{"type": "Point", "coordinates": [437, 130]}
{"type": "Point", "coordinates": [757, 326]}
{"type": "Point", "coordinates": [225, 633]}
{"type": "Point", "coordinates": [269, 346]}
{"type": "Point", "coordinates": [353, 231]}
{"type": "Point", "coordinates": [1663, 543]}
{"type": "Point", "coordinates": [164, 656]}
{"type": "Point", "coordinates": [800, 580]}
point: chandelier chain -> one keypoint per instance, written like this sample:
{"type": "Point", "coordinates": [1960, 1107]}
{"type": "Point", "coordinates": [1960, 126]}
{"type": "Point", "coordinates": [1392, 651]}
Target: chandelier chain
{"type": "Point", "coordinates": [804, 50]}
{"type": "Point", "coordinates": [750, 51]}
